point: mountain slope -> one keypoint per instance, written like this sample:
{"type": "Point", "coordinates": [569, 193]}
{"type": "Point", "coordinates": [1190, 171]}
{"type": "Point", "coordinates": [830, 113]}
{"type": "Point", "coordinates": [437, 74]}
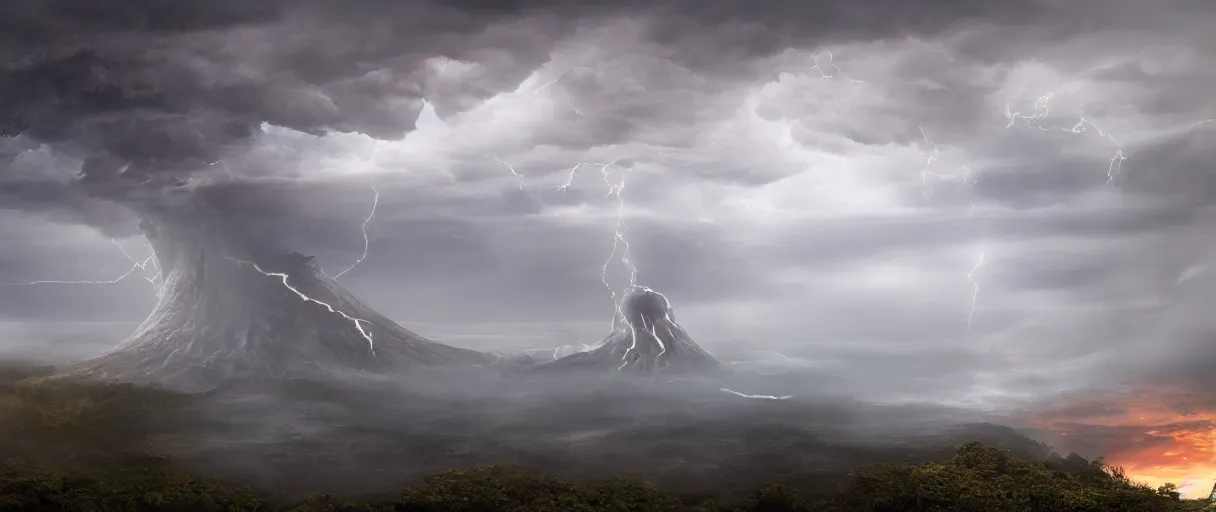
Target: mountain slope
{"type": "Point", "coordinates": [232, 307]}
{"type": "Point", "coordinates": [645, 339]}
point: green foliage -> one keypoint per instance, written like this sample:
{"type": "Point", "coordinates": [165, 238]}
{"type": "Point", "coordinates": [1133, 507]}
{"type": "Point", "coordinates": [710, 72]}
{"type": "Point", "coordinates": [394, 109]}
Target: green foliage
{"type": "Point", "coordinates": [778, 498]}
{"type": "Point", "coordinates": [71, 424]}
{"type": "Point", "coordinates": [984, 478]}
{"type": "Point", "coordinates": [509, 489]}
{"type": "Point", "coordinates": [35, 489]}
{"type": "Point", "coordinates": [327, 503]}
{"type": "Point", "coordinates": [978, 478]}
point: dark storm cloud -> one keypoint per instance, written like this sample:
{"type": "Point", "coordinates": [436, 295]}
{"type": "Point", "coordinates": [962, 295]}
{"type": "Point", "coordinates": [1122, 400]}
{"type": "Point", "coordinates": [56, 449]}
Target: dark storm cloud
{"type": "Point", "coordinates": [789, 22]}
{"type": "Point", "coordinates": [36, 22]}
{"type": "Point", "coordinates": [98, 77]}
{"type": "Point", "coordinates": [1187, 178]}
{"type": "Point", "coordinates": [67, 205]}
{"type": "Point", "coordinates": [140, 88]}
{"type": "Point", "coordinates": [162, 86]}
{"type": "Point", "coordinates": [700, 95]}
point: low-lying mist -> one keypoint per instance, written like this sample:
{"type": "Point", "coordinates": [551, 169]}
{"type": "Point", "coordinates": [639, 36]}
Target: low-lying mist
{"type": "Point", "coordinates": [363, 434]}
{"type": "Point", "coordinates": [360, 434]}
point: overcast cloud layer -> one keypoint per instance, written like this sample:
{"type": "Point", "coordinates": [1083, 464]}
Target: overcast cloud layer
{"type": "Point", "coordinates": [833, 186]}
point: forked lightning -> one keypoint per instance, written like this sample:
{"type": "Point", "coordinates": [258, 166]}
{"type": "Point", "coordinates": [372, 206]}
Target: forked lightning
{"type": "Point", "coordinates": [358, 323]}
{"type": "Point", "coordinates": [621, 243]}
{"type": "Point", "coordinates": [518, 177]}
{"type": "Point", "coordinates": [135, 265]}
{"type": "Point", "coordinates": [143, 265]}
{"type": "Point", "coordinates": [1042, 109]}
{"type": "Point", "coordinates": [975, 288]}
{"type": "Point", "coordinates": [366, 241]}
{"type": "Point", "coordinates": [550, 83]}
{"type": "Point", "coordinates": [831, 60]}
{"type": "Point", "coordinates": [963, 177]}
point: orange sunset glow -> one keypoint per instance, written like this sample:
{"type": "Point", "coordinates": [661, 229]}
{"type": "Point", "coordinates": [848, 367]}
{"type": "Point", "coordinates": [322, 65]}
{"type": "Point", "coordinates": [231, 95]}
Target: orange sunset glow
{"type": "Point", "coordinates": [1158, 437]}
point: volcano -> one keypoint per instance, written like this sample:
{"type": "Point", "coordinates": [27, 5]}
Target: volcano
{"type": "Point", "coordinates": [232, 307]}
{"type": "Point", "coordinates": [645, 339]}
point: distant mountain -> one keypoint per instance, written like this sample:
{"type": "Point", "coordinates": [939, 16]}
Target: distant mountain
{"type": "Point", "coordinates": [645, 339]}
{"type": "Point", "coordinates": [232, 308]}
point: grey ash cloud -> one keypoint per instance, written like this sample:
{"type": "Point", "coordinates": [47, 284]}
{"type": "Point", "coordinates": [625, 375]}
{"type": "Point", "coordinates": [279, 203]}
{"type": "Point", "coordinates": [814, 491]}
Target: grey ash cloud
{"type": "Point", "coordinates": [779, 209]}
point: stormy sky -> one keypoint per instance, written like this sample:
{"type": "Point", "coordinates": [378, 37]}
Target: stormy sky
{"type": "Point", "coordinates": [972, 202]}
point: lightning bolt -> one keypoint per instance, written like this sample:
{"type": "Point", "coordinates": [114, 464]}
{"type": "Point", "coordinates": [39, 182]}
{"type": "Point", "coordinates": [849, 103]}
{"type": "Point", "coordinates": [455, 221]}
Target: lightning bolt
{"type": "Point", "coordinates": [135, 265]}
{"type": "Point", "coordinates": [358, 323]}
{"type": "Point", "coordinates": [573, 170]}
{"type": "Point", "coordinates": [366, 242]}
{"type": "Point", "coordinates": [619, 231]}
{"type": "Point", "coordinates": [963, 177]}
{"type": "Point", "coordinates": [966, 178]}
{"type": "Point", "coordinates": [574, 108]}
{"type": "Point", "coordinates": [111, 281]}
{"type": "Point", "coordinates": [975, 288]}
{"type": "Point", "coordinates": [226, 168]}
{"type": "Point", "coordinates": [758, 397]}
{"type": "Point", "coordinates": [143, 265]}
{"type": "Point", "coordinates": [618, 239]}
{"type": "Point", "coordinates": [546, 85]}
{"type": "Point", "coordinates": [831, 60]}
{"type": "Point", "coordinates": [621, 243]}
{"type": "Point", "coordinates": [1042, 109]}
{"type": "Point", "coordinates": [924, 174]}
{"type": "Point", "coordinates": [652, 328]}
{"type": "Point", "coordinates": [518, 177]}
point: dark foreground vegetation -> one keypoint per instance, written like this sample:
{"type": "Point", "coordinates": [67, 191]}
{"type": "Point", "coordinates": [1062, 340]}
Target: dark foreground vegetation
{"type": "Point", "coordinates": [71, 446]}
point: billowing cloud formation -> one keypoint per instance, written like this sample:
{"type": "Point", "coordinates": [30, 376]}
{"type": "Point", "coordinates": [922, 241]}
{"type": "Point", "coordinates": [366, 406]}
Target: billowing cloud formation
{"type": "Point", "coordinates": [971, 202]}
{"type": "Point", "coordinates": [131, 91]}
